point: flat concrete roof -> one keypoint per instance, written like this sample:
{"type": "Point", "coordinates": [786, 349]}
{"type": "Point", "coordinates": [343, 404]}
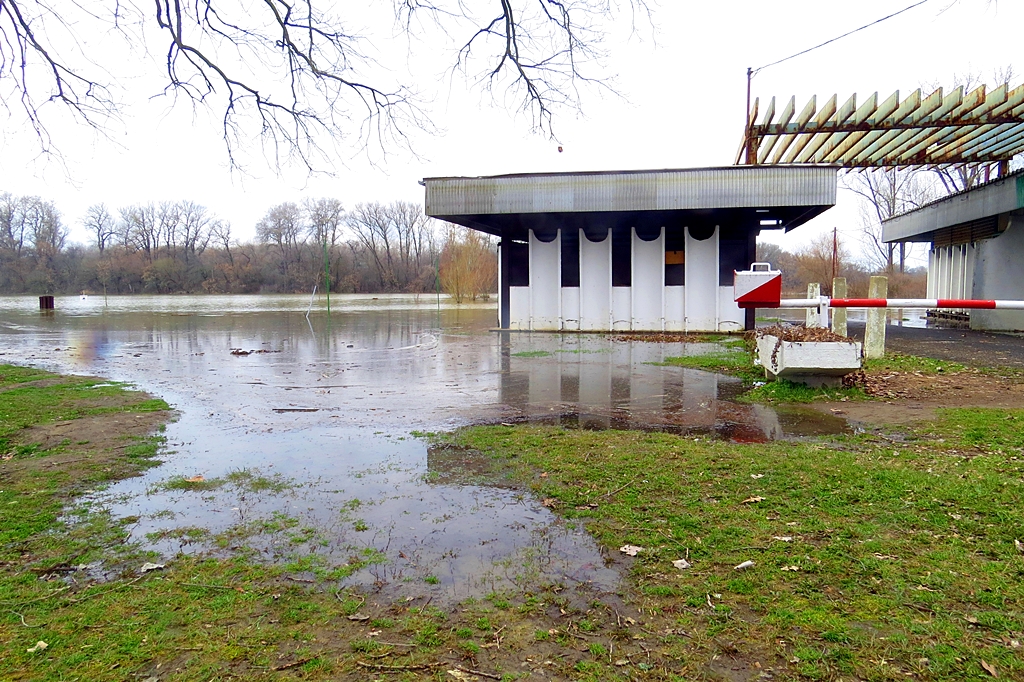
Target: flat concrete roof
{"type": "Point", "coordinates": [730, 196]}
{"type": "Point", "coordinates": [1000, 196]}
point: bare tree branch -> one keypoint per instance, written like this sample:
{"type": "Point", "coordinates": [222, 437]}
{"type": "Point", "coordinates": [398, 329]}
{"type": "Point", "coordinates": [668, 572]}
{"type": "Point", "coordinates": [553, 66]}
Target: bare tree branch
{"type": "Point", "coordinates": [291, 76]}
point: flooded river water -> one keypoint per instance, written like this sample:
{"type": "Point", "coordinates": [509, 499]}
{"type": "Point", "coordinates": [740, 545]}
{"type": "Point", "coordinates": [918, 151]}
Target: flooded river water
{"type": "Point", "coordinates": [312, 422]}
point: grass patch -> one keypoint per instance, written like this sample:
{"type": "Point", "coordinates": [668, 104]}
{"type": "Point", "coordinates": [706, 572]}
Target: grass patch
{"type": "Point", "coordinates": [871, 559]}
{"type": "Point", "coordinates": [899, 362]}
{"type": "Point", "coordinates": [737, 363]}
{"type": "Point", "coordinates": [531, 354]}
{"type": "Point", "coordinates": [783, 391]}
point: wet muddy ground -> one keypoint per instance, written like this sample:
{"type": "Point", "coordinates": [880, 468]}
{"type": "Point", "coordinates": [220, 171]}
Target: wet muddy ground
{"type": "Point", "coordinates": [302, 436]}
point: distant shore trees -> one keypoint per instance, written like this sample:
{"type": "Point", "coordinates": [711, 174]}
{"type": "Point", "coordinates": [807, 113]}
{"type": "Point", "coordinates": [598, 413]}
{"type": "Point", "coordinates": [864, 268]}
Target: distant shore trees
{"type": "Point", "coordinates": [182, 247]}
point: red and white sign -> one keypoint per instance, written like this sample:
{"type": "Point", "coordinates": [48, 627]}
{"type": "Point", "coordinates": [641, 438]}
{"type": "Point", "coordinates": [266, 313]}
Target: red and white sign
{"type": "Point", "coordinates": [758, 287]}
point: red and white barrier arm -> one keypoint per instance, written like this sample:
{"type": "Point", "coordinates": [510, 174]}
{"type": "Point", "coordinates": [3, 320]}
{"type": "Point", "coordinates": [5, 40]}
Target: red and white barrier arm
{"type": "Point", "coordinates": [916, 303]}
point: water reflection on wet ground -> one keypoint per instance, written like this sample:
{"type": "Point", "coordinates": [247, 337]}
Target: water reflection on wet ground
{"type": "Point", "coordinates": [318, 414]}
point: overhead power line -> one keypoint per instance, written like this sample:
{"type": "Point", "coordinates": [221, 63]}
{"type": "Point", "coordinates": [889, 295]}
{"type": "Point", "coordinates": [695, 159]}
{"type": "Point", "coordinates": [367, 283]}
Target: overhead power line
{"type": "Point", "coordinates": [848, 33]}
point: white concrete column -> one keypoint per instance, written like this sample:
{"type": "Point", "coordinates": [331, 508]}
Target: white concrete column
{"type": "Point", "coordinates": [545, 283]}
{"type": "Point", "coordinates": [595, 283]}
{"type": "Point", "coordinates": [648, 283]}
{"type": "Point", "coordinates": [839, 314]}
{"type": "Point", "coordinates": [701, 283]}
{"type": "Point", "coordinates": [874, 331]}
{"type": "Point", "coordinates": [813, 291]}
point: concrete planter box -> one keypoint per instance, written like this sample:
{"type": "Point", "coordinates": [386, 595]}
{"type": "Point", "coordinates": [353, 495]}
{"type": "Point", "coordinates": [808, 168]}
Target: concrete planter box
{"type": "Point", "coordinates": [815, 363]}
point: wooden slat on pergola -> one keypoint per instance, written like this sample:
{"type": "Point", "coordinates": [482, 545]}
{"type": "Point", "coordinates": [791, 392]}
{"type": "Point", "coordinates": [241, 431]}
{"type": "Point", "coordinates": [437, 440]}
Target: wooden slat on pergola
{"type": "Point", "coordinates": [934, 130]}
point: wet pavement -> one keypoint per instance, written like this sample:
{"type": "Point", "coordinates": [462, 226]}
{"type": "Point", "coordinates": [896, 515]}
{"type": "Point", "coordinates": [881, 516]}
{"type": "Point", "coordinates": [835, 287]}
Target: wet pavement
{"type": "Point", "coordinates": [985, 349]}
{"type": "Point", "coordinates": [304, 430]}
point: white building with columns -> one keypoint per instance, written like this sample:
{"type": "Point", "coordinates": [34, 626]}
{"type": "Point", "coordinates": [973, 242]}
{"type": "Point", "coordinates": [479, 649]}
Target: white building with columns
{"type": "Point", "coordinates": [629, 250]}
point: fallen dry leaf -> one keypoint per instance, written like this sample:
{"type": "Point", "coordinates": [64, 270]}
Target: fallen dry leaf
{"type": "Point", "coordinates": [681, 564]}
{"type": "Point", "coordinates": [359, 617]}
{"type": "Point", "coordinates": [631, 550]}
{"type": "Point", "coordinates": [783, 538]}
{"type": "Point", "coordinates": [549, 502]}
{"type": "Point", "coordinates": [743, 566]}
{"type": "Point", "coordinates": [195, 479]}
{"type": "Point", "coordinates": [790, 568]}
{"type": "Point", "coordinates": [752, 500]}
{"type": "Point", "coordinates": [989, 668]}
{"type": "Point", "coordinates": [40, 645]}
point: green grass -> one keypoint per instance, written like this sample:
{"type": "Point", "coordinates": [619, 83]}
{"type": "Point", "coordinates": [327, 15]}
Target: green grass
{"type": "Point", "coordinates": [898, 552]}
{"type": "Point", "coordinates": [899, 362]}
{"type": "Point", "coordinates": [783, 391]}
{"type": "Point", "coordinates": [735, 362]}
{"type": "Point", "coordinates": [531, 354]}
{"type": "Point", "coordinates": [902, 543]}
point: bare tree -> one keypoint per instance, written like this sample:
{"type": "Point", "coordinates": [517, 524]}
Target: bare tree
{"type": "Point", "coordinates": [295, 77]}
{"type": "Point", "coordinates": [886, 193]}
{"type": "Point", "coordinates": [194, 224]}
{"type": "Point", "coordinates": [282, 227]}
{"type": "Point", "coordinates": [815, 261]}
{"type": "Point", "coordinates": [961, 176]}
{"type": "Point", "coordinates": [140, 229]}
{"type": "Point", "coordinates": [374, 232]}
{"type": "Point", "coordinates": [101, 224]}
{"type": "Point", "coordinates": [324, 220]}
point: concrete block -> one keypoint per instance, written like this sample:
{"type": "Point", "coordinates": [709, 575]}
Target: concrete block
{"type": "Point", "coordinates": [815, 363]}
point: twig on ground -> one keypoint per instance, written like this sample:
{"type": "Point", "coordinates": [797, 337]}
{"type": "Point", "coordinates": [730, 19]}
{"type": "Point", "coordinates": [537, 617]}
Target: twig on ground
{"type": "Point", "coordinates": [478, 672]}
{"type": "Point", "coordinates": [382, 667]}
{"type": "Point", "coordinates": [617, 490]}
{"type": "Point", "coordinates": [294, 664]}
{"type": "Point", "coordinates": [23, 620]}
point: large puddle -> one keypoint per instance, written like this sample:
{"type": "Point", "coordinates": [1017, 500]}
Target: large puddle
{"type": "Point", "coordinates": [303, 428]}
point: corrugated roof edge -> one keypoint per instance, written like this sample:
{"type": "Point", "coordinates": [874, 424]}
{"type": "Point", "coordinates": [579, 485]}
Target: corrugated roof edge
{"type": "Point", "coordinates": [954, 195]}
{"type": "Point", "coordinates": [742, 167]}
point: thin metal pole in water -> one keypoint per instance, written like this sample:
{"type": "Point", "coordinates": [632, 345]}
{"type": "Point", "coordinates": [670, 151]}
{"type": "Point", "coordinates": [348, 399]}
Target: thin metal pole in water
{"type": "Point", "coordinates": [327, 276]}
{"type": "Point", "coordinates": [311, 296]}
{"type": "Point", "coordinates": [437, 282]}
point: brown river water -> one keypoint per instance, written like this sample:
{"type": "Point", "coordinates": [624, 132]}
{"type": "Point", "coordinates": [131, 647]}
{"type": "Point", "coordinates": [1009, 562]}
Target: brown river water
{"type": "Point", "coordinates": [331, 407]}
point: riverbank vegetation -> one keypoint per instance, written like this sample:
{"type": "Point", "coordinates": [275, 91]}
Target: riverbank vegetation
{"type": "Point", "coordinates": [181, 247]}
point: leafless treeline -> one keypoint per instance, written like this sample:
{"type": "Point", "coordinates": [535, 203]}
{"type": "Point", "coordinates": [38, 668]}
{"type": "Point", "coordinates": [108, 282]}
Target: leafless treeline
{"type": "Point", "coordinates": [181, 246]}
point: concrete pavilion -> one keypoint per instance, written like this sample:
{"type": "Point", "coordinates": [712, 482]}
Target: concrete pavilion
{"type": "Point", "coordinates": [629, 250]}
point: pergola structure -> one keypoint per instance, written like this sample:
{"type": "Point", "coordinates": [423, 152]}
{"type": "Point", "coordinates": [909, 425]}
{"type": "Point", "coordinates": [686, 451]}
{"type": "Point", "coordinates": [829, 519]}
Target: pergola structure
{"type": "Point", "coordinates": [976, 127]}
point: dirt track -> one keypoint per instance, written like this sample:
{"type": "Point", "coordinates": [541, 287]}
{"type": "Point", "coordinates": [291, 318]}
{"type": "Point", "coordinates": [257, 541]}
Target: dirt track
{"type": "Point", "coordinates": [910, 396]}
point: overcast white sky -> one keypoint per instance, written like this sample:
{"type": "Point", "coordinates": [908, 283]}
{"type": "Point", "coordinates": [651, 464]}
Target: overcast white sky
{"type": "Point", "coordinates": [683, 106]}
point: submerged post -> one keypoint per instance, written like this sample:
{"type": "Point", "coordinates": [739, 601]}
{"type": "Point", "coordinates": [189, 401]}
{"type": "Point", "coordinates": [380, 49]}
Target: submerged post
{"type": "Point", "coordinates": [839, 314]}
{"type": "Point", "coordinates": [812, 319]}
{"type": "Point", "coordinates": [46, 302]}
{"type": "Point", "coordinates": [874, 331]}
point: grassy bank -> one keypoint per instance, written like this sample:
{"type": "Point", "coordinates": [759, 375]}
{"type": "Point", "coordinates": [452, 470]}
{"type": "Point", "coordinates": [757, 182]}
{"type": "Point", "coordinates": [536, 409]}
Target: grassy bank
{"type": "Point", "coordinates": [878, 557]}
{"type": "Point", "coordinates": [873, 557]}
